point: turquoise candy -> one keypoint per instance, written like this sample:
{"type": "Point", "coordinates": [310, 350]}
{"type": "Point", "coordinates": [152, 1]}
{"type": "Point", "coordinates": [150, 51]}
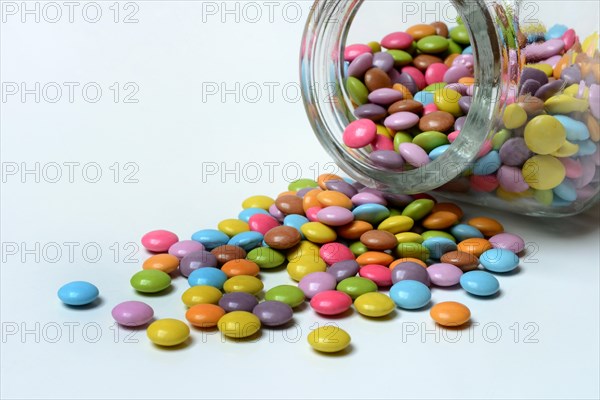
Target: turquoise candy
{"type": "Point", "coordinates": [479, 283]}
{"type": "Point", "coordinates": [78, 293]}
{"type": "Point", "coordinates": [424, 97]}
{"type": "Point", "coordinates": [576, 130]}
{"type": "Point", "coordinates": [248, 212]}
{"type": "Point", "coordinates": [438, 246]}
{"type": "Point", "coordinates": [210, 238]}
{"type": "Point", "coordinates": [487, 164]}
{"type": "Point", "coordinates": [499, 260]}
{"type": "Point", "coordinates": [438, 151]}
{"type": "Point", "coordinates": [247, 240]}
{"type": "Point", "coordinates": [371, 213]}
{"type": "Point", "coordinates": [463, 232]}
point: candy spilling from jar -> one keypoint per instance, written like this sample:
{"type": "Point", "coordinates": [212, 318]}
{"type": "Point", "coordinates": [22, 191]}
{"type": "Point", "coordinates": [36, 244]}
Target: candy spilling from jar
{"type": "Point", "coordinates": [412, 92]}
{"type": "Point", "coordinates": [341, 244]}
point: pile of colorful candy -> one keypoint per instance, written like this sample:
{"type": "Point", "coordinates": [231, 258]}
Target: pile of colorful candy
{"type": "Point", "coordinates": [343, 244]}
{"type": "Point", "coordinates": [412, 100]}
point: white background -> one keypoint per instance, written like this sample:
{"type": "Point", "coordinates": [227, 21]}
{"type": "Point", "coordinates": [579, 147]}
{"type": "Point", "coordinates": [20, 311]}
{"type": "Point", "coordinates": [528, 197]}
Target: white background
{"type": "Point", "coordinates": [539, 338]}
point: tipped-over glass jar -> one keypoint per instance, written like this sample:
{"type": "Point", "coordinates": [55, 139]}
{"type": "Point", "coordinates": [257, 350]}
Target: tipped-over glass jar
{"type": "Point", "coordinates": [491, 102]}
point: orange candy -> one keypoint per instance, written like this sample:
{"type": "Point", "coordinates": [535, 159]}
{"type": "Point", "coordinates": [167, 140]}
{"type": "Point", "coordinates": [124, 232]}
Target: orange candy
{"type": "Point", "coordinates": [374, 257]}
{"type": "Point", "coordinates": [287, 193]}
{"type": "Point", "coordinates": [354, 229]}
{"type": "Point", "coordinates": [474, 246]}
{"type": "Point", "coordinates": [332, 198]}
{"type": "Point", "coordinates": [310, 199]}
{"type": "Point", "coordinates": [450, 207]}
{"type": "Point", "coordinates": [450, 313]}
{"type": "Point", "coordinates": [488, 226]}
{"type": "Point", "coordinates": [440, 220]}
{"type": "Point", "coordinates": [407, 95]}
{"type": "Point", "coordinates": [407, 259]}
{"type": "Point", "coordinates": [162, 262]}
{"type": "Point", "coordinates": [327, 177]}
{"type": "Point", "coordinates": [204, 315]}
{"type": "Point", "coordinates": [467, 80]}
{"type": "Point", "coordinates": [240, 267]}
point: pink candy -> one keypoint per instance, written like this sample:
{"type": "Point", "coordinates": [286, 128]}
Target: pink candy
{"type": "Point", "coordinates": [360, 133]}
{"type": "Point", "coordinates": [355, 50]}
{"type": "Point", "coordinates": [332, 253]}
{"type": "Point", "coordinates": [397, 41]}
{"type": "Point", "coordinates": [452, 136]}
{"type": "Point", "coordinates": [443, 274]}
{"type": "Point", "coordinates": [484, 183]}
{"type": "Point", "coordinates": [413, 154]}
{"type": "Point", "coordinates": [429, 108]}
{"type": "Point", "coordinates": [382, 276]}
{"type": "Point", "coordinates": [417, 76]}
{"type": "Point", "coordinates": [382, 142]}
{"type": "Point", "coordinates": [511, 179]}
{"type": "Point", "coordinates": [159, 241]}
{"type": "Point", "coordinates": [262, 223]}
{"type": "Point", "coordinates": [435, 73]}
{"type": "Point", "coordinates": [312, 213]}
{"type": "Point", "coordinates": [331, 302]}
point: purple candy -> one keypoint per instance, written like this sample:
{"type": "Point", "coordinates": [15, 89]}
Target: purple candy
{"type": "Point", "coordinates": [530, 86]}
{"type": "Point", "coordinates": [413, 154]}
{"type": "Point", "coordinates": [511, 179]}
{"type": "Point", "coordinates": [343, 269]}
{"type": "Point", "coordinates": [387, 159]}
{"type": "Point", "coordinates": [373, 112]}
{"type": "Point", "coordinates": [514, 152]}
{"type": "Point", "coordinates": [465, 103]}
{"type": "Point", "coordinates": [536, 52]}
{"type": "Point", "coordinates": [360, 65]}
{"type": "Point", "coordinates": [195, 260]}
{"type": "Point", "coordinates": [342, 187]}
{"type": "Point", "coordinates": [397, 200]}
{"type": "Point", "coordinates": [273, 313]}
{"type": "Point", "coordinates": [238, 301]}
{"type": "Point", "coordinates": [335, 216]}
{"type": "Point", "coordinates": [132, 313]}
{"type": "Point", "coordinates": [552, 61]}
{"type": "Point", "coordinates": [385, 96]}
{"type": "Point", "coordinates": [276, 213]}
{"type": "Point", "coordinates": [408, 81]}
{"type": "Point", "coordinates": [508, 241]}
{"type": "Point", "coordinates": [185, 247]}
{"type": "Point", "coordinates": [460, 122]}
{"type": "Point", "coordinates": [316, 282]}
{"type": "Point", "coordinates": [571, 75]}
{"type": "Point", "coordinates": [465, 60]}
{"type": "Point", "coordinates": [410, 271]}
{"type": "Point", "coordinates": [368, 198]}
{"type": "Point", "coordinates": [459, 87]}
{"type": "Point", "coordinates": [383, 61]}
{"type": "Point", "coordinates": [443, 274]}
{"type": "Point", "coordinates": [358, 186]}
{"type": "Point", "coordinates": [594, 99]}
{"type": "Point", "coordinates": [394, 75]}
{"type": "Point", "coordinates": [535, 74]}
{"type": "Point", "coordinates": [549, 89]}
{"type": "Point", "coordinates": [454, 73]}
{"type": "Point", "coordinates": [401, 121]}
{"type": "Point", "coordinates": [303, 191]}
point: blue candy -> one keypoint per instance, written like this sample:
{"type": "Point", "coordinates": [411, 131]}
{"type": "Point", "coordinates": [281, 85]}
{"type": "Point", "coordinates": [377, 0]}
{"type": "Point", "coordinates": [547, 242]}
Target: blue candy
{"type": "Point", "coordinates": [371, 213]}
{"type": "Point", "coordinates": [295, 221]}
{"type": "Point", "coordinates": [438, 151]}
{"type": "Point", "coordinates": [438, 246]}
{"type": "Point", "coordinates": [207, 277]}
{"type": "Point", "coordinates": [479, 283]}
{"type": "Point", "coordinates": [586, 148]}
{"type": "Point", "coordinates": [487, 164]}
{"type": "Point", "coordinates": [410, 294]}
{"type": "Point", "coordinates": [469, 49]}
{"type": "Point", "coordinates": [246, 240]}
{"type": "Point", "coordinates": [210, 238]}
{"type": "Point", "coordinates": [248, 212]}
{"type": "Point", "coordinates": [566, 191]}
{"type": "Point", "coordinates": [555, 32]}
{"type": "Point", "coordinates": [78, 293]}
{"type": "Point", "coordinates": [499, 260]}
{"type": "Point", "coordinates": [463, 232]}
{"type": "Point", "coordinates": [424, 97]}
{"type": "Point", "coordinates": [576, 130]}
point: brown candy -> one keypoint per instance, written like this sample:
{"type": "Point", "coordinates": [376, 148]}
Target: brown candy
{"type": "Point", "coordinates": [354, 229]}
{"type": "Point", "coordinates": [488, 226]}
{"type": "Point", "coordinates": [420, 31]}
{"type": "Point", "coordinates": [422, 61]}
{"type": "Point", "coordinates": [282, 237]}
{"type": "Point", "coordinates": [412, 106]}
{"type": "Point", "coordinates": [228, 252]}
{"type": "Point", "coordinates": [464, 261]}
{"type": "Point", "coordinates": [450, 207]}
{"type": "Point", "coordinates": [376, 78]}
{"type": "Point", "coordinates": [440, 121]}
{"type": "Point", "coordinates": [531, 104]}
{"type": "Point", "coordinates": [441, 29]}
{"type": "Point", "coordinates": [440, 220]}
{"type": "Point", "coordinates": [458, 185]}
{"type": "Point", "coordinates": [378, 240]}
{"type": "Point", "coordinates": [289, 204]}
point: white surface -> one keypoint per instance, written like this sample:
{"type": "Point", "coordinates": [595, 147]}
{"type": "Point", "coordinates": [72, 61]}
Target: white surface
{"type": "Point", "coordinates": [169, 134]}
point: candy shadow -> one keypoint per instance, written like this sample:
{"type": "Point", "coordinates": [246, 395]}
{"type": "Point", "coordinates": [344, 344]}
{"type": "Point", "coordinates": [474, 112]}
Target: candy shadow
{"type": "Point", "coordinates": [301, 308]}
{"type": "Point", "coordinates": [137, 328]}
{"type": "Point", "coordinates": [462, 327]}
{"type": "Point", "coordinates": [495, 296]}
{"type": "Point", "coordinates": [96, 303]}
{"type": "Point", "coordinates": [348, 350]}
{"type": "Point", "coordinates": [283, 327]}
{"type": "Point", "coordinates": [164, 292]}
{"type": "Point", "coordinates": [446, 288]}
{"type": "Point", "coordinates": [250, 339]}
{"type": "Point", "coordinates": [420, 309]}
{"type": "Point", "coordinates": [514, 272]}
{"type": "Point", "coordinates": [348, 313]}
{"type": "Point", "coordinates": [385, 318]}
{"type": "Point", "coordinates": [208, 329]}
{"type": "Point", "coordinates": [188, 342]}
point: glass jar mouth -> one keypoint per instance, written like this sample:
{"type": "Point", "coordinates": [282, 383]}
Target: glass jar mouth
{"type": "Point", "coordinates": [322, 70]}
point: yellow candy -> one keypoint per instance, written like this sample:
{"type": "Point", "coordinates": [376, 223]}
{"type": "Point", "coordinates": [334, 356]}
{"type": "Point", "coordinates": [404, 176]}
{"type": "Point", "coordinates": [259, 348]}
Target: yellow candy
{"type": "Point", "coordinates": [564, 104]}
{"type": "Point", "coordinates": [329, 339]}
{"type": "Point", "coordinates": [544, 134]}
{"type": "Point", "coordinates": [544, 197]}
{"type": "Point", "coordinates": [510, 196]}
{"type": "Point", "coordinates": [305, 265]}
{"type": "Point", "coordinates": [382, 130]}
{"type": "Point", "coordinates": [259, 201]}
{"type": "Point", "coordinates": [238, 324]}
{"type": "Point", "coordinates": [396, 224]}
{"type": "Point", "coordinates": [168, 332]}
{"type": "Point", "coordinates": [201, 295]}
{"type": "Point", "coordinates": [543, 172]}
{"type": "Point", "coordinates": [374, 304]}
{"type": "Point", "coordinates": [302, 249]}
{"type": "Point", "coordinates": [243, 283]}
{"type": "Point", "coordinates": [590, 44]}
{"type": "Point", "coordinates": [545, 68]}
{"type": "Point", "coordinates": [514, 116]}
{"type": "Point", "coordinates": [447, 100]}
{"type": "Point", "coordinates": [232, 227]}
{"type": "Point", "coordinates": [573, 90]}
{"type": "Point", "coordinates": [318, 233]}
{"type": "Point", "coordinates": [409, 237]}
{"type": "Point", "coordinates": [568, 149]}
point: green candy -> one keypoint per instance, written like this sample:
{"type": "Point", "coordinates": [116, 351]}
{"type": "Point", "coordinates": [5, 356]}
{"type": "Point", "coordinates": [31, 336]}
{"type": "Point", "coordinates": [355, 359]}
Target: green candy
{"type": "Point", "coordinates": [544, 197]}
{"type": "Point", "coordinates": [418, 209]}
{"type": "Point", "coordinates": [357, 90]}
{"type": "Point", "coordinates": [150, 281]}
{"type": "Point", "coordinates": [401, 58]}
{"type": "Point", "coordinates": [355, 286]}
{"type": "Point", "coordinates": [433, 44]}
{"type": "Point", "coordinates": [412, 250]}
{"type": "Point", "coordinates": [357, 248]}
{"type": "Point", "coordinates": [453, 47]}
{"type": "Point", "coordinates": [401, 137]}
{"type": "Point", "coordinates": [394, 212]}
{"type": "Point", "coordinates": [429, 140]}
{"type": "Point", "coordinates": [460, 35]}
{"type": "Point", "coordinates": [266, 257]}
{"type": "Point", "coordinates": [375, 47]}
{"type": "Point", "coordinates": [500, 138]}
{"type": "Point", "coordinates": [288, 294]}
{"type": "Point", "coordinates": [435, 86]}
{"type": "Point", "coordinates": [302, 184]}
{"type": "Point", "coordinates": [431, 234]}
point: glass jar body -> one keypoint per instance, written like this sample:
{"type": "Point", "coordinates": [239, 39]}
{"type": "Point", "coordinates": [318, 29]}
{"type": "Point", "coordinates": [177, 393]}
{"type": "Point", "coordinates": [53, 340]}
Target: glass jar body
{"type": "Point", "coordinates": [508, 148]}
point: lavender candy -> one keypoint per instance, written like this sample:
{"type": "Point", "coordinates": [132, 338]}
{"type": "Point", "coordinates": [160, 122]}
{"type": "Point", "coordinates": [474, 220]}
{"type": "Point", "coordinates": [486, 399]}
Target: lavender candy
{"type": "Point", "coordinates": [460, 122]}
{"type": "Point", "coordinates": [535, 74]}
{"type": "Point", "coordinates": [385, 96]}
{"type": "Point", "coordinates": [195, 260]}
{"type": "Point", "coordinates": [571, 75]}
{"type": "Point", "coordinates": [343, 269]}
{"type": "Point", "coordinates": [455, 73]}
{"type": "Point", "coordinates": [342, 187]}
{"type": "Point", "coordinates": [368, 198]}
{"type": "Point", "coordinates": [238, 301]}
{"type": "Point", "coordinates": [383, 61]}
{"type": "Point", "coordinates": [465, 104]}
{"type": "Point", "coordinates": [387, 159]}
{"type": "Point", "coordinates": [273, 313]}
{"type": "Point", "coordinates": [360, 65]}
{"type": "Point", "coordinates": [397, 200]}
{"type": "Point", "coordinates": [373, 112]}
{"type": "Point", "coordinates": [410, 271]}
{"type": "Point", "coordinates": [549, 89]}
{"type": "Point", "coordinates": [530, 86]}
{"type": "Point", "coordinates": [514, 152]}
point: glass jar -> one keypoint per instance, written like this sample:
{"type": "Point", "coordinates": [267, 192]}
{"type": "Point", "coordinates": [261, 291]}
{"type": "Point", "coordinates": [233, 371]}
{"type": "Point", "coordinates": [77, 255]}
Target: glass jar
{"type": "Point", "coordinates": [514, 151]}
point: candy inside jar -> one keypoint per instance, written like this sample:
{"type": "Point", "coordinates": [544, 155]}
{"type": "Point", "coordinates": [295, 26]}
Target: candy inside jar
{"type": "Point", "coordinates": [506, 117]}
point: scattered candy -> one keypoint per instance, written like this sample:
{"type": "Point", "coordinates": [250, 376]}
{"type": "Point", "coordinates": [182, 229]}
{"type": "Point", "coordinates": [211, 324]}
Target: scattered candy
{"type": "Point", "coordinates": [132, 313]}
{"type": "Point", "coordinates": [329, 339]}
{"type": "Point", "coordinates": [78, 293]}
{"type": "Point", "coordinates": [168, 332]}
{"type": "Point", "coordinates": [450, 313]}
